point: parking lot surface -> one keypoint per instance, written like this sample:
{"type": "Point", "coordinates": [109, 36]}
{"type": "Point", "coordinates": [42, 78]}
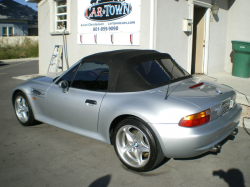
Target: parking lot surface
{"type": "Point", "coordinates": [44, 155]}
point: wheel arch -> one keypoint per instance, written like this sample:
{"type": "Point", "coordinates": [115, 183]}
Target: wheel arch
{"type": "Point", "coordinates": [14, 93]}
{"type": "Point", "coordinates": [120, 118]}
{"type": "Point", "coordinates": [27, 96]}
{"type": "Point", "coordinates": [117, 120]}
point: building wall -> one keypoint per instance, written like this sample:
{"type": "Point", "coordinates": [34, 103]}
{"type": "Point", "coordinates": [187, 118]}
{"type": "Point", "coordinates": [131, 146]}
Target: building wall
{"type": "Point", "coordinates": [20, 29]}
{"type": "Point", "coordinates": [218, 38]}
{"type": "Point", "coordinates": [170, 37]}
{"type": "Point", "coordinates": [229, 24]}
{"type": "Point", "coordinates": [76, 52]}
{"type": "Point", "coordinates": [238, 27]}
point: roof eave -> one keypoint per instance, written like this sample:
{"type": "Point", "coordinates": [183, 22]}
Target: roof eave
{"type": "Point", "coordinates": [32, 1]}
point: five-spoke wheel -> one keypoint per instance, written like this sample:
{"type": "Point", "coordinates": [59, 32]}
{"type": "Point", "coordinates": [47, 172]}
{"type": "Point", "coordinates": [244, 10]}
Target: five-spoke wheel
{"type": "Point", "coordinates": [133, 146]}
{"type": "Point", "coordinates": [136, 146]}
{"type": "Point", "coordinates": [23, 110]}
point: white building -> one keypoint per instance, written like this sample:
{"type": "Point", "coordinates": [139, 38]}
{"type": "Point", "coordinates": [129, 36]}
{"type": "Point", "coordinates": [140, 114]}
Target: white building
{"type": "Point", "coordinates": [197, 39]}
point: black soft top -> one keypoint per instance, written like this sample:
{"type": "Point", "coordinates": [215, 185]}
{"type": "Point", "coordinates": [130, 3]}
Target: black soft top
{"type": "Point", "coordinates": [123, 76]}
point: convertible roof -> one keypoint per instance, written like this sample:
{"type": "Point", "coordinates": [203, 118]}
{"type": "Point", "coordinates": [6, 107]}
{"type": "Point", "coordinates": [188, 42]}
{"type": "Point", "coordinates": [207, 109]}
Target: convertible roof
{"type": "Point", "coordinates": [123, 76]}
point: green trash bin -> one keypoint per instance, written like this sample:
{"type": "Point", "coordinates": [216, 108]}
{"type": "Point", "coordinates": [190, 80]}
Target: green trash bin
{"type": "Point", "coordinates": [241, 62]}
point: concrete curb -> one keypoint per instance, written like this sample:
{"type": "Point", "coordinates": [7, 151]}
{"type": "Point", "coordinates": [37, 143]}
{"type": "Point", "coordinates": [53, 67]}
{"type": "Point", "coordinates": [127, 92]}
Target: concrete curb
{"type": "Point", "coordinates": [246, 122]}
{"type": "Point", "coordinates": [26, 77]}
{"type": "Point", "coordinates": [241, 99]}
{"type": "Point", "coordinates": [19, 59]}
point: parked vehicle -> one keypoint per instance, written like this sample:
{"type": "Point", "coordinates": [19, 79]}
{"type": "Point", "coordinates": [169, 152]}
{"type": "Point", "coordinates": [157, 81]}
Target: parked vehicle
{"type": "Point", "coordinates": [140, 101]}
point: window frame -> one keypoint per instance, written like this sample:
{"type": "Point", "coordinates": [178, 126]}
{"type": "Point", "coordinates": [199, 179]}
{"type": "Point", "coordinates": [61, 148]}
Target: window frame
{"type": "Point", "coordinates": [172, 80]}
{"type": "Point", "coordinates": [59, 79]}
{"type": "Point", "coordinates": [12, 31]}
{"type": "Point", "coordinates": [82, 63]}
{"type": "Point", "coordinates": [56, 15]}
{"type": "Point", "coordinates": [7, 31]}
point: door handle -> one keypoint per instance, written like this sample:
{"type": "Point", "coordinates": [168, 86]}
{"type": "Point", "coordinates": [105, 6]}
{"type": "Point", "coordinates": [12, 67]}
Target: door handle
{"type": "Point", "coordinates": [92, 102]}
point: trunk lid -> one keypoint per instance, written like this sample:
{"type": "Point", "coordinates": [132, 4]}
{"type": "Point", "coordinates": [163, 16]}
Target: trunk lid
{"type": "Point", "coordinates": [205, 96]}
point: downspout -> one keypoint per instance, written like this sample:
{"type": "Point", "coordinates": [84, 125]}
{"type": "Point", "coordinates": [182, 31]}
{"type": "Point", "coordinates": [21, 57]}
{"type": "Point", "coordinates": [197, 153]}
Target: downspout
{"type": "Point", "coordinates": [152, 20]}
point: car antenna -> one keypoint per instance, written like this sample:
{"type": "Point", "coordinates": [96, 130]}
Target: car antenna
{"type": "Point", "coordinates": [166, 97]}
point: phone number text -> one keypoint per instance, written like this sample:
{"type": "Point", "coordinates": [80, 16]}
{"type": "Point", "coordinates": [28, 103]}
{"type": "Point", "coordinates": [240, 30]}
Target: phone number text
{"type": "Point", "coordinates": [111, 28]}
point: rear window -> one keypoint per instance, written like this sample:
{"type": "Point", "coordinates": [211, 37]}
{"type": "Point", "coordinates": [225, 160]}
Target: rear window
{"type": "Point", "coordinates": [160, 71]}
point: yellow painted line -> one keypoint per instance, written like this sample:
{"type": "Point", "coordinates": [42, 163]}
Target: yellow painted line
{"type": "Point", "coordinates": [12, 65]}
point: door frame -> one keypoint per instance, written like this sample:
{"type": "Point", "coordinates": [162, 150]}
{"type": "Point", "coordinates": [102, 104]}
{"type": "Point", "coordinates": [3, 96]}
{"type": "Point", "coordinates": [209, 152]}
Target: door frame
{"type": "Point", "coordinates": [206, 34]}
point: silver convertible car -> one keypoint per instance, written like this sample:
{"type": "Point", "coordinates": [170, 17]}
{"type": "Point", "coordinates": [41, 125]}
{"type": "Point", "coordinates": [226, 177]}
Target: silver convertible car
{"type": "Point", "coordinates": [140, 101]}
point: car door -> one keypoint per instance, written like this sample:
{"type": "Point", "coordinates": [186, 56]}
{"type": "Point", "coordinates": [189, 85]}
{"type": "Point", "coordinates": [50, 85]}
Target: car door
{"type": "Point", "coordinates": [79, 105]}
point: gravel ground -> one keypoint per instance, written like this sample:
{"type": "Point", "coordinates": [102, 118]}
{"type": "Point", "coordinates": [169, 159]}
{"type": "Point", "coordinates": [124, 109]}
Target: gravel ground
{"type": "Point", "coordinates": [245, 111]}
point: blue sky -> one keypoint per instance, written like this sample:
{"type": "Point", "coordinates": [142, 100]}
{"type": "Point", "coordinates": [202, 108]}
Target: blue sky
{"type": "Point", "coordinates": [32, 5]}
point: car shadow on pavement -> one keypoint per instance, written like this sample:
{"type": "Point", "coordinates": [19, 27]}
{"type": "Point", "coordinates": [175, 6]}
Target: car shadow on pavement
{"type": "Point", "coordinates": [233, 177]}
{"type": "Point", "coordinates": [152, 172]}
{"type": "Point", "coordinates": [3, 64]}
{"type": "Point", "coordinates": [103, 181]}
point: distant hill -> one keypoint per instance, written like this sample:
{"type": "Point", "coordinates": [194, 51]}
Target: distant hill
{"type": "Point", "coordinates": [10, 9]}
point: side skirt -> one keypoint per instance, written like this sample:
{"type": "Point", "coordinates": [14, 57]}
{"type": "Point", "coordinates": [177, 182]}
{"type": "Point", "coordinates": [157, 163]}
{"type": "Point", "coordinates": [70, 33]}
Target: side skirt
{"type": "Point", "coordinates": [71, 128]}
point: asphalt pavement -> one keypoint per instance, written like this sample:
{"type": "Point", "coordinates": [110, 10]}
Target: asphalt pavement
{"type": "Point", "coordinates": [44, 155]}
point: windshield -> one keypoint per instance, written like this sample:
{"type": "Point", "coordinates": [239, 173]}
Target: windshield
{"type": "Point", "coordinates": [160, 71]}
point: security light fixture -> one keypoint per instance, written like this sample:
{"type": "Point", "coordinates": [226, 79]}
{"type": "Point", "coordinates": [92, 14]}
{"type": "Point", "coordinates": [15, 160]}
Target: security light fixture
{"type": "Point", "coordinates": [215, 8]}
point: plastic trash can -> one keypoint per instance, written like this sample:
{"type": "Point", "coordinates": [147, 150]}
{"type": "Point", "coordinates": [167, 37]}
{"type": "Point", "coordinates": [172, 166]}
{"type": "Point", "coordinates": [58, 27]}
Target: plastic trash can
{"type": "Point", "coordinates": [241, 61]}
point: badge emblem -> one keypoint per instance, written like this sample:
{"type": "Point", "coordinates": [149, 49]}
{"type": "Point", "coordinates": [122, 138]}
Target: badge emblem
{"type": "Point", "coordinates": [218, 92]}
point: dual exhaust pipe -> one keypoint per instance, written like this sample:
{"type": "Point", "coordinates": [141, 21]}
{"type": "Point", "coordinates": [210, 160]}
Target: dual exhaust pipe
{"type": "Point", "coordinates": [216, 148]}
{"type": "Point", "coordinates": [235, 131]}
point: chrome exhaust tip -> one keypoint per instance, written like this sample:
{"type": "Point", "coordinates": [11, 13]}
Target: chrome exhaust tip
{"type": "Point", "coordinates": [215, 149]}
{"type": "Point", "coordinates": [235, 131]}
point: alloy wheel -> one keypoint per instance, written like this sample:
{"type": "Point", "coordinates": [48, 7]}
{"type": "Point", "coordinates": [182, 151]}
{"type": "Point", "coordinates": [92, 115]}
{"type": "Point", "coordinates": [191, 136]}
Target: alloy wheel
{"type": "Point", "coordinates": [22, 109]}
{"type": "Point", "coordinates": [133, 146]}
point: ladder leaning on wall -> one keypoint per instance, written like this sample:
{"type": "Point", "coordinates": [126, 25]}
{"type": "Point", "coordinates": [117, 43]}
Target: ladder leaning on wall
{"type": "Point", "coordinates": [56, 62]}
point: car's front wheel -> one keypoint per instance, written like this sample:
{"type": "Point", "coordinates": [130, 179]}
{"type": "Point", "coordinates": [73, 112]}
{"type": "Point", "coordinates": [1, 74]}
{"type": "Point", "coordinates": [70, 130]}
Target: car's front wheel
{"type": "Point", "coordinates": [136, 146]}
{"type": "Point", "coordinates": [23, 110]}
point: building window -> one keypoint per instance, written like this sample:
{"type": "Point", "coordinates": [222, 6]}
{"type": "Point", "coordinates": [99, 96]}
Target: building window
{"type": "Point", "coordinates": [5, 31]}
{"type": "Point", "coordinates": [61, 15]}
{"type": "Point", "coordinates": [11, 31]}
{"type": "Point", "coordinates": [8, 31]}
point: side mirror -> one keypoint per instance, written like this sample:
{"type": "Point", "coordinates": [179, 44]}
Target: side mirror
{"type": "Point", "coordinates": [64, 85]}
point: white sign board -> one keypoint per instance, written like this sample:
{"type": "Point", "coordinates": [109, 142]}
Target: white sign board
{"type": "Point", "coordinates": [108, 16]}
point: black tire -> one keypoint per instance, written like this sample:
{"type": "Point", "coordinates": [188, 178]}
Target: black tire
{"type": "Point", "coordinates": [24, 107]}
{"type": "Point", "coordinates": [136, 145]}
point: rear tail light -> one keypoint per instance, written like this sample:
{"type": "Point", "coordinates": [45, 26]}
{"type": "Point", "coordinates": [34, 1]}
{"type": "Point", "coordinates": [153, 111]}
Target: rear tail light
{"type": "Point", "coordinates": [196, 119]}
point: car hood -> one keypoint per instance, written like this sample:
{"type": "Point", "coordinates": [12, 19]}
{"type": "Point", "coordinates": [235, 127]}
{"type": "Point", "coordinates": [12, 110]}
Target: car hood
{"type": "Point", "coordinates": [48, 78]}
{"type": "Point", "coordinates": [40, 83]}
{"type": "Point", "coordinates": [204, 96]}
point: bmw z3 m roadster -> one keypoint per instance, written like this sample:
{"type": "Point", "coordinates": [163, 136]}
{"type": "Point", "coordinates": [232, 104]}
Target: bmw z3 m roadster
{"type": "Point", "coordinates": [140, 101]}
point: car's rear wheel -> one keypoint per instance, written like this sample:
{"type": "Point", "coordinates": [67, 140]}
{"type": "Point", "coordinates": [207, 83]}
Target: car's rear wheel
{"type": "Point", "coordinates": [23, 110]}
{"type": "Point", "coordinates": [136, 146]}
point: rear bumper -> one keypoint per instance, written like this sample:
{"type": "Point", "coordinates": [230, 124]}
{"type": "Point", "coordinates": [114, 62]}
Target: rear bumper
{"type": "Point", "coordinates": [182, 142]}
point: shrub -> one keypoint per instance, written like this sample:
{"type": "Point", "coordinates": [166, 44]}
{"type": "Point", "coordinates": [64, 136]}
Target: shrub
{"type": "Point", "coordinates": [28, 48]}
